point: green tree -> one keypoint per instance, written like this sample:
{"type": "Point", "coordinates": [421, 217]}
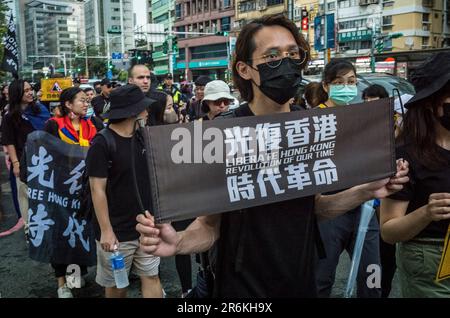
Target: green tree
{"type": "Point", "coordinates": [123, 76]}
{"type": "Point", "coordinates": [97, 66]}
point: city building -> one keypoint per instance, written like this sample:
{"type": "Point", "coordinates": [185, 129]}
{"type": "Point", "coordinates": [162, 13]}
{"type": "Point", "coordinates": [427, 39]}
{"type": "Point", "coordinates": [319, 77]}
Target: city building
{"type": "Point", "coordinates": [162, 12]}
{"type": "Point", "coordinates": [249, 10]}
{"type": "Point", "coordinates": [50, 28]}
{"type": "Point", "coordinates": [110, 23]}
{"type": "Point", "coordinates": [203, 52]}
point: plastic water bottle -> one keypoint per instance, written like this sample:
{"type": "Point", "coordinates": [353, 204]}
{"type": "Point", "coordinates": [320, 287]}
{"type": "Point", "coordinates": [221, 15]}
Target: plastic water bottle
{"type": "Point", "coordinates": [119, 269]}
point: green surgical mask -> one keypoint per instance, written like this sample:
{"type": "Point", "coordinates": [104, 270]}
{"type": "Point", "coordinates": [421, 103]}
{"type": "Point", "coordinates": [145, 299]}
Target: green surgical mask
{"type": "Point", "coordinates": [342, 94]}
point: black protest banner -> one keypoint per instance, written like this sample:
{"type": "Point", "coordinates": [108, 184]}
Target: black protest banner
{"type": "Point", "coordinates": [217, 166]}
{"type": "Point", "coordinates": [10, 61]}
{"type": "Point", "coordinates": [56, 233]}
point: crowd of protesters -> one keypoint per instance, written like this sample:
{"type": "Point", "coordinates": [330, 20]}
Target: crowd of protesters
{"type": "Point", "coordinates": [407, 233]}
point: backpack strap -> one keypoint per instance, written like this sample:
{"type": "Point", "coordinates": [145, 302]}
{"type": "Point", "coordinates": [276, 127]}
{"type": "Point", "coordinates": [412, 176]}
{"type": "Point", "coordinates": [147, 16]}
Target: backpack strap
{"type": "Point", "coordinates": [110, 143]}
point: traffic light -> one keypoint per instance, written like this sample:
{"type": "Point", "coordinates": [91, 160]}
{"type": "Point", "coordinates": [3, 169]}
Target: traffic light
{"type": "Point", "coordinates": [110, 66]}
{"type": "Point", "coordinates": [175, 44]}
{"type": "Point", "coordinates": [79, 69]}
{"type": "Point", "coordinates": [222, 33]}
{"type": "Point", "coordinates": [165, 47]}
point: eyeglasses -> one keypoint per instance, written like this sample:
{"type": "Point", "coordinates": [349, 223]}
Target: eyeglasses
{"type": "Point", "coordinates": [274, 57]}
{"type": "Point", "coordinates": [219, 102]}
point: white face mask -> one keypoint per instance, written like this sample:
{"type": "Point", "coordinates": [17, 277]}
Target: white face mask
{"type": "Point", "coordinates": [141, 122]}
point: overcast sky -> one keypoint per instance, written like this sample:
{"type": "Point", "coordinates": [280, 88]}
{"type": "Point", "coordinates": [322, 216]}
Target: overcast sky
{"type": "Point", "coordinates": [140, 9]}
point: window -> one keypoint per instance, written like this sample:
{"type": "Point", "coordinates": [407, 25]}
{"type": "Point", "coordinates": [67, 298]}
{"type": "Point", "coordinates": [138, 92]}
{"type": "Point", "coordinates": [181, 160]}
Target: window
{"type": "Point", "coordinates": [225, 22]}
{"type": "Point", "coordinates": [182, 54]}
{"type": "Point", "coordinates": [115, 1]}
{"type": "Point", "coordinates": [116, 9]}
{"type": "Point", "coordinates": [425, 41]}
{"type": "Point", "coordinates": [209, 51]}
{"type": "Point", "coordinates": [193, 8]}
{"type": "Point", "coordinates": [353, 3]}
{"type": "Point", "coordinates": [344, 4]}
{"type": "Point", "coordinates": [226, 3]}
{"type": "Point", "coordinates": [387, 20]}
{"type": "Point", "coordinates": [388, 3]}
{"type": "Point", "coordinates": [188, 8]}
{"type": "Point", "coordinates": [388, 45]}
{"type": "Point", "coordinates": [181, 29]}
{"type": "Point", "coordinates": [178, 11]}
{"type": "Point", "coordinates": [161, 18]}
{"type": "Point", "coordinates": [274, 2]}
{"type": "Point", "coordinates": [247, 6]}
{"type": "Point", "coordinates": [199, 6]}
{"type": "Point", "coordinates": [426, 17]}
{"type": "Point", "coordinates": [205, 5]}
{"type": "Point", "coordinates": [331, 6]}
{"type": "Point", "coordinates": [213, 4]}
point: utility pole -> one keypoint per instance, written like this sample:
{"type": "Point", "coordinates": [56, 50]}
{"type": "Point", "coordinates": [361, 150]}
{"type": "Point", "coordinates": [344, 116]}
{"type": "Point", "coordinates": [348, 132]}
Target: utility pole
{"type": "Point", "coordinates": [122, 30]}
{"type": "Point", "coordinates": [87, 66]}
{"type": "Point", "coordinates": [169, 41]}
{"type": "Point", "coordinates": [372, 48]}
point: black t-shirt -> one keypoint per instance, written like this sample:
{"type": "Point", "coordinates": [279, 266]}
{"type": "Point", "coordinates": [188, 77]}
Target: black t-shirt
{"type": "Point", "coordinates": [122, 200]}
{"type": "Point", "coordinates": [422, 183]}
{"type": "Point", "coordinates": [269, 250]}
{"type": "Point", "coordinates": [15, 133]}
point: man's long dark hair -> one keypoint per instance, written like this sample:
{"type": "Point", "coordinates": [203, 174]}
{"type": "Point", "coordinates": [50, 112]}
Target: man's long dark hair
{"type": "Point", "coordinates": [16, 91]}
{"type": "Point", "coordinates": [245, 46]}
{"type": "Point", "coordinates": [419, 130]}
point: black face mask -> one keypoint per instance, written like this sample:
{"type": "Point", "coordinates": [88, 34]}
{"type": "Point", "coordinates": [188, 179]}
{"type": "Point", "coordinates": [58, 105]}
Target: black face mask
{"type": "Point", "coordinates": [445, 120]}
{"type": "Point", "coordinates": [280, 83]}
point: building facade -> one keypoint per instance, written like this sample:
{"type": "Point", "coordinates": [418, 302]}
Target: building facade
{"type": "Point", "coordinates": [110, 22]}
{"type": "Point", "coordinates": [204, 54]}
{"type": "Point", "coordinates": [51, 28]}
{"type": "Point", "coordinates": [162, 12]}
{"type": "Point", "coordinates": [248, 10]}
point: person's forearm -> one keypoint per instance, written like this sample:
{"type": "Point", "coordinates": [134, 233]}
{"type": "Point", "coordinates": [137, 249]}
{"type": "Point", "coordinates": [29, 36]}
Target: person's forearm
{"type": "Point", "coordinates": [12, 153]}
{"type": "Point", "coordinates": [101, 210]}
{"type": "Point", "coordinates": [331, 206]}
{"type": "Point", "coordinates": [199, 236]}
{"type": "Point", "coordinates": [404, 228]}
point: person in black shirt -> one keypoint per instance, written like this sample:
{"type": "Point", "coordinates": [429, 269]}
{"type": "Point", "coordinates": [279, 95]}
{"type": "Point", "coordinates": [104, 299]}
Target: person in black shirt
{"type": "Point", "coordinates": [23, 117]}
{"type": "Point", "coordinates": [195, 104]}
{"type": "Point", "coordinates": [269, 250]}
{"type": "Point", "coordinates": [116, 207]}
{"type": "Point", "coordinates": [418, 217]}
{"type": "Point", "coordinates": [100, 103]}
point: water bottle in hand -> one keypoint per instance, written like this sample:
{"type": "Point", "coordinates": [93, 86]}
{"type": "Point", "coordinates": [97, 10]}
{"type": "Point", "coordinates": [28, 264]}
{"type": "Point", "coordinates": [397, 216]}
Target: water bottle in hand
{"type": "Point", "coordinates": [119, 269]}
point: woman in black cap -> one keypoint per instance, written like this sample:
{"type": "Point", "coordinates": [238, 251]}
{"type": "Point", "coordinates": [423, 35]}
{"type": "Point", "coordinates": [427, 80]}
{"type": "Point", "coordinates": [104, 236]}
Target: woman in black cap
{"type": "Point", "coordinates": [417, 217]}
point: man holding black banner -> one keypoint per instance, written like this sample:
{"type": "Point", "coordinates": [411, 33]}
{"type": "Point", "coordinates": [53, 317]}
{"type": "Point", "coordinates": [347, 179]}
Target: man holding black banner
{"type": "Point", "coordinates": [268, 250]}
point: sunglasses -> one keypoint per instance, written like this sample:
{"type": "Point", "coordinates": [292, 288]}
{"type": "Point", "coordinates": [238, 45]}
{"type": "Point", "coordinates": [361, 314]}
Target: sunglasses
{"type": "Point", "coordinates": [219, 102]}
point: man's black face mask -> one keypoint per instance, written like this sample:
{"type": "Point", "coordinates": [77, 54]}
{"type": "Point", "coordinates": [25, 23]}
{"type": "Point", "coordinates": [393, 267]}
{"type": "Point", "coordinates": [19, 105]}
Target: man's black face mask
{"type": "Point", "coordinates": [280, 80]}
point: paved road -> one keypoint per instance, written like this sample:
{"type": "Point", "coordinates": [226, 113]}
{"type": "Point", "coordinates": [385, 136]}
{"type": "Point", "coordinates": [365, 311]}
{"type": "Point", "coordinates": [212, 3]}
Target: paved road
{"type": "Point", "coordinates": [22, 277]}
